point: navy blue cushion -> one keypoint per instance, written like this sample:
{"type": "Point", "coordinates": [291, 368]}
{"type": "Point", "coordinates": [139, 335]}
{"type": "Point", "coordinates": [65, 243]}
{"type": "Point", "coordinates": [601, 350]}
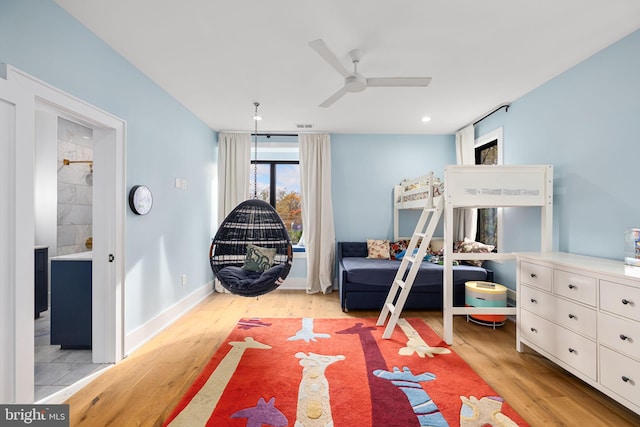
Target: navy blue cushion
{"type": "Point", "coordinates": [374, 272]}
{"type": "Point", "coordinates": [352, 249]}
{"type": "Point", "coordinates": [246, 282]}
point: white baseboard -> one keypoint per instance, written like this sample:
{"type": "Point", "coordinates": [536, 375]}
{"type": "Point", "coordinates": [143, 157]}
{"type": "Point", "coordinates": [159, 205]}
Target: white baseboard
{"type": "Point", "coordinates": [290, 284]}
{"type": "Point", "coordinates": [294, 284]}
{"type": "Point", "coordinates": [148, 330]}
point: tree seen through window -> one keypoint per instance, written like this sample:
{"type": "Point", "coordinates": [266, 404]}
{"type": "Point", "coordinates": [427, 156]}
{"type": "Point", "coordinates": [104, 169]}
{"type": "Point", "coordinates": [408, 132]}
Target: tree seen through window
{"type": "Point", "coordinates": [278, 184]}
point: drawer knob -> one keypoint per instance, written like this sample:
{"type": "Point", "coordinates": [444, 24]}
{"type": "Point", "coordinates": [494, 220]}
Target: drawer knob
{"type": "Point", "coordinates": [533, 300]}
{"type": "Point", "coordinates": [533, 275]}
{"type": "Point", "coordinates": [625, 301]}
{"type": "Point", "coordinates": [623, 337]}
{"type": "Point", "coordinates": [572, 286]}
{"type": "Point", "coordinates": [571, 316]}
{"type": "Point", "coordinates": [572, 350]}
{"type": "Point", "coordinates": [626, 379]}
{"type": "Point", "coordinates": [534, 330]}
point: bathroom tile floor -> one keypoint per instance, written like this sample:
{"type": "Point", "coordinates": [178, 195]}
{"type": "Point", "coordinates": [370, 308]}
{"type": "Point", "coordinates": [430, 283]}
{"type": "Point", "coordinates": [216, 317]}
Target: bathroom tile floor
{"type": "Point", "coordinates": [57, 369]}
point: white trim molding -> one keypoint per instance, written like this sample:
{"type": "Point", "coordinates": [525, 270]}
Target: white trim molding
{"type": "Point", "coordinates": [17, 224]}
{"type": "Point", "coordinates": [109, 223]}
{"type": "Point", "coordinates": [143, 333]}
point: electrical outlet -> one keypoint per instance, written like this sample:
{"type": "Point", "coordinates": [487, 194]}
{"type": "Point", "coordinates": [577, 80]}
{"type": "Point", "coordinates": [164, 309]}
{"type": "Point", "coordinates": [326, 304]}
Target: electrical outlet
{"type": "Point", "coordinates": [184, 279]}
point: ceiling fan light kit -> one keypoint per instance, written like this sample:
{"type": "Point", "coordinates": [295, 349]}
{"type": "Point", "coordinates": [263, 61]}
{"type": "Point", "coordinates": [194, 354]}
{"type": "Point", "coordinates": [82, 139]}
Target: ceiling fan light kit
{"type": "Point", "coordinates": [356, 82]}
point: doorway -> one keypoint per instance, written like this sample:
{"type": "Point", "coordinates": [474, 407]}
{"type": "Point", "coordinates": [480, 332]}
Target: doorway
{"type": "Point", "coordinates": [108, 232]}
{"type": "Point", "coordinates": [63, 227]}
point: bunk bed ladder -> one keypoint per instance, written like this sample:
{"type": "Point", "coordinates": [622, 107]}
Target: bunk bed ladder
{"type": "Point", "coordinates": [401, 285]}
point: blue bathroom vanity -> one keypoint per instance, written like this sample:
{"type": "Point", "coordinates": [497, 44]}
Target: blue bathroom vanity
{"type": "Point", "coordinates": [71, 300]}
{"type": "Point", "coordinates": [41, 279]}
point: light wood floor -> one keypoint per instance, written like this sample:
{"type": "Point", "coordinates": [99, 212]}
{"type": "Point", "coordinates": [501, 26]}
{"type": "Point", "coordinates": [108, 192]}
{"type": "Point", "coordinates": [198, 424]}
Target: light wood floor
{"type": "Point", "coordinates": [144, 388]}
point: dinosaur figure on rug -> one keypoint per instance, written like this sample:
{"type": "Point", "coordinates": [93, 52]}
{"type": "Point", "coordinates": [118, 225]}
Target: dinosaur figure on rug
{"type": "Point", "coordinates": [263, 413]}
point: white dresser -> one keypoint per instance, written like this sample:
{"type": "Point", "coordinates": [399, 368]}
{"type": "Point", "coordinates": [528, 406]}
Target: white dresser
{"type": "Point", "coordinates": [583, 313]}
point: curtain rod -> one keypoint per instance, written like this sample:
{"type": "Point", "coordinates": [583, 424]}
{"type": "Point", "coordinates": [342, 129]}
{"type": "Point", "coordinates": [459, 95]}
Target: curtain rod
{"type": "Point", "coordinates": [501, 106]}
{"type": "Point", "coordinates": [269, 135]}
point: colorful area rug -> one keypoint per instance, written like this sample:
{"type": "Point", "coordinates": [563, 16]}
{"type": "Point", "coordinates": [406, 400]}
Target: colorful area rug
{"type": "Point", "coordinates": [338, 372]}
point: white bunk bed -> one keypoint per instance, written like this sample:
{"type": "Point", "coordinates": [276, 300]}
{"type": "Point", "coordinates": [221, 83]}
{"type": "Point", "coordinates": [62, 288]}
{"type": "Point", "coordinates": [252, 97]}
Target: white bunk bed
{"type": "Point", "coordinates": [488, 187]}
{"type": "Point", "coordinates": [416, 193]}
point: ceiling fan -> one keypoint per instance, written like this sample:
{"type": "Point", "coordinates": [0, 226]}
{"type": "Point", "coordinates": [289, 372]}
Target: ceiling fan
{"type": "Point", "coordinates": [356, 82]}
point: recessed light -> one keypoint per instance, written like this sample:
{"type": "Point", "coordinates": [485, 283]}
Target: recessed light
{"type": "Point", "coordinates": [426, 119]}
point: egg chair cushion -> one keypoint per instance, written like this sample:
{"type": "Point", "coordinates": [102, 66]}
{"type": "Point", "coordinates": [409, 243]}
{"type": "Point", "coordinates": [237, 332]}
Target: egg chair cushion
{"type": "Point", "coordinates": [241, 281]}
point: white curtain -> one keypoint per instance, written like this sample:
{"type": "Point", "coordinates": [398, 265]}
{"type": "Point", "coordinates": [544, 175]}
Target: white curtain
{"type": "Point", "coordinates": [234, 161]}
{"type": "Point", "coordinates": [317, 211]}
{"type": "Point", "coordinates": [465, 221]}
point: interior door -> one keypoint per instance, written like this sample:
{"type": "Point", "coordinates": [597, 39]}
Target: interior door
{"type": "Point", "coordinates": [16, 243]}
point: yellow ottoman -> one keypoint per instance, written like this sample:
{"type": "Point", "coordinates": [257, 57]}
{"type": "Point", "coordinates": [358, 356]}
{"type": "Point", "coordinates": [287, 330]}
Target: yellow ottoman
{"type": "Point", "coordinates": [486, 294]}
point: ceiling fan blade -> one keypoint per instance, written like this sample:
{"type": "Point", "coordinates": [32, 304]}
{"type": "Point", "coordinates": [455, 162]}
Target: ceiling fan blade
{"type": "Point", "coordinates": [398, 81]}
{"type": "Point", "coordinates": [333, 98]}
{"type": "Point", "coordinates": [321, 48]}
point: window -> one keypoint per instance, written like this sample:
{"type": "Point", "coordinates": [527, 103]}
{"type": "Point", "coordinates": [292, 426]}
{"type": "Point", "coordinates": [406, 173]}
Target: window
{"type": "Point", "coordinates": [488, 151]}
{"type": "Point", "coordinates": [278, 183]}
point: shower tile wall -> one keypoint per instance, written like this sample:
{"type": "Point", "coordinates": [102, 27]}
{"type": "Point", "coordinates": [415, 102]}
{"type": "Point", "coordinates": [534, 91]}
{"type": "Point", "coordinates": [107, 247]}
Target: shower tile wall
{"type": "Point", "coordinates": [75, 188]}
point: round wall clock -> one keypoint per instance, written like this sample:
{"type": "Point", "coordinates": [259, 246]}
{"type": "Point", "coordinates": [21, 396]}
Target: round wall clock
{"type": "Point", "coordinates": [140, 199]}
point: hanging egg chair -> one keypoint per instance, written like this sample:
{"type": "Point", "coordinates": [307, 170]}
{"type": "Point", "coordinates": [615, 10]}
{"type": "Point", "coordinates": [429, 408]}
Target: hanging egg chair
{"type": "Point", "coordinates": [251, 253]}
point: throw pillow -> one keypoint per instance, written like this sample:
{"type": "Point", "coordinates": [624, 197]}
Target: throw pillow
{"type": "Point", "coordinates": [378, 249]}
{"type": "Point", "coordinates": [396, 247]}
{"type": "Point", "coordinates": [259, 259]}
{"type": "Point", "coordinates": [471, 246]}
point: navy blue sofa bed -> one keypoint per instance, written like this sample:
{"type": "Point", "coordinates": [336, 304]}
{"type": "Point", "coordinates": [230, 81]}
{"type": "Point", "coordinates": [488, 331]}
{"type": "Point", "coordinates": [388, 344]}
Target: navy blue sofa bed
{"type": "Point", "coordinates": [364, 283]}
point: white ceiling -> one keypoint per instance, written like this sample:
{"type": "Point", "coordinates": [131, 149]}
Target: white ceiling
{"type": "Point", "coordinates": [217, 57]}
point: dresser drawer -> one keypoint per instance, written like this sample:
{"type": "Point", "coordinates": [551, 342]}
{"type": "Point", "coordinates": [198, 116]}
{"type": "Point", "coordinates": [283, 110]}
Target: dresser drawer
{"type": "Point", "coordinates": [566, 313]}
{"type": "Point", "coordinates": [620, 374]}
{"type": "Point", "coordinates": [577, 352]}
{"type": "Point", "coordinates": [537, 330]}
{"type": "Point", "coordinates": [574, 350]}
{"type": "Point", "coordinates": [536, 275]}
{"type": "Point", "coordinates": [620, 299]}
{"type": "Point", "coordinates": [620, 334]}
{"type": "Point", "coordinates": [576, 317]}
{"type": "Point", "coordinates": [575, 286]}
{"type": "Point", "coordinates": [537, 301]}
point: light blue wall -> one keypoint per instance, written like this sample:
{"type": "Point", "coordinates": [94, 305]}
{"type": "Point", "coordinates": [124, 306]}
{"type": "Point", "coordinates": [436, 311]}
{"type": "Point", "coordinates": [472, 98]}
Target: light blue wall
{"type": "Point", "coordinates": [586, 123]}
{"type": "Point", "coordinates": [164, 141]}
{"type": "Point", "coordinates": [364, 170]}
